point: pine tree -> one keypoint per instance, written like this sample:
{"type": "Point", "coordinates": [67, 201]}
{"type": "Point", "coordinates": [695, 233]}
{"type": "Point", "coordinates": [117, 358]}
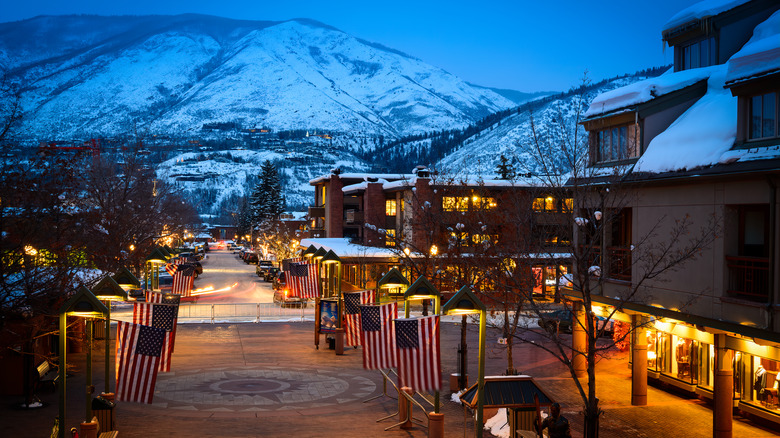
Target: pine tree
{"type": "Point", "coordinates": [504, 169]}
{"type": "Point", "coordinates": [267, 203]}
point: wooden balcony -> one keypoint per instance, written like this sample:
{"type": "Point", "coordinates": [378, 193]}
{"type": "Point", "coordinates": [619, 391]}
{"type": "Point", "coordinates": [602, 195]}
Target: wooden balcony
{"type": "Point", "coordinates": [748, 278]}
{"type": "Point", "coordinates": [315, 212]}
{"type": "Point", "coordinates": [619, 263]}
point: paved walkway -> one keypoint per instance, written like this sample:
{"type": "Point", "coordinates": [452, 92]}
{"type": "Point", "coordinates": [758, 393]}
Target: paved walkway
{"type": "Point", "coordinates": [268, 380]}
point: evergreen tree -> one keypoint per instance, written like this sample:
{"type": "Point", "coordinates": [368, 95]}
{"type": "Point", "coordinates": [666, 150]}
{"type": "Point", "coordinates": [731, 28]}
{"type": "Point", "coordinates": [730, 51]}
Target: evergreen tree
{"type": "Point", "coordinates": [266, 202]}
{"type": "Point", "coordinates": [504, 169]}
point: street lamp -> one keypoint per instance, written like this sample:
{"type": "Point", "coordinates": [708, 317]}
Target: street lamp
{"type": "Point", "coordinates": [108, 290]}
{"type": "Point", "coordinates": [330, 258]}
{"type": "Point", "coordinates": [157, 257]}
{"type": "Point", "coordinates": [83, 304]}
{"type": "Point", "coordinates": [422, 289]}
{"type": "Point", "coordinates": [309, 252]}
{"type": "Point", "coordinates": [464, 303]}
{"type": "Point", "coordinates": [392, 280]}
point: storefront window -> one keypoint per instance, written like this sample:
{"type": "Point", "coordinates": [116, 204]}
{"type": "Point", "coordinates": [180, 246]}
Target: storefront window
{"type": "Point", "coordinates": [765, 378]}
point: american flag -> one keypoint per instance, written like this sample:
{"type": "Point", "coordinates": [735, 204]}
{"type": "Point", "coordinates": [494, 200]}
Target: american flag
{"type": "Point", "coordinates": [352, 302]}
{"type": "Point", "coordinates": [160, 298]}
{"type": "Point", "coordinates": [138, 349]}
{"type": "Point", "coordinates": [376, 323]}
{"type": "Point", "coordinates": [162, 316]}
{"type": "Point", "coordinates": [419, 359]}
{"type": "Point", "coordinates": [304, 281]}
{"type": "Point", "coordinates": [183, 279]}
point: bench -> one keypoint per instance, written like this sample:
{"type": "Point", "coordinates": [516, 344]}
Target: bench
{"type": "Point", "coordinates": [98, 434]}
{"type": "Point", "coordinates": [47, 375]}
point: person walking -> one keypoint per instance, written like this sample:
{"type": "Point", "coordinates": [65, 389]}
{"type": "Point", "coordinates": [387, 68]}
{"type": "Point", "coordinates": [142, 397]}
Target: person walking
{"type": "Point", "coordinates": [557, 425]}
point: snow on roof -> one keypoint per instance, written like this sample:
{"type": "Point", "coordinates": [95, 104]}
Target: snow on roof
{"type": "Point", "coordinates": [750, 154]}
{"type": "Point", "coordinates": [759, 56]}
{"type": "Point", "coordinates": [296, 215]}
{"type": "Point", "coordinates": [700, 136]}
{"type": "Point", "coordinates": [644, 91]}
{"type": "Point", "coordinates": [343, 248]}
{"type": "Point", "coordinates": [706, 8]}
{"type": "Point", "coordinates": [364, 176]}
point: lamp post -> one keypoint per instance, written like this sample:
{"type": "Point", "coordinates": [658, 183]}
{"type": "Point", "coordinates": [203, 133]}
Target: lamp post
{"type": "Point", "coordinates": [328, 260]}
{"type": "Point", "coordinates": [422, 289]}
{"type": "Point", "coordinates": [464, 303]}
{"type": "Point", "coordinates": [108, 290]}
{"type": "Point", "coordinates": [158, 257]}
{"type": "Point", "coordinates": [394, 279]}
{"type": "Point", "coordinates": [83, 304]}
{"type": "Point", "coordinates": [316, 257]}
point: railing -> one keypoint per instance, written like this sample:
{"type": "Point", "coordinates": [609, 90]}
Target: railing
{"type": "Point", "coordinates": [243, 312]}
{"type": "Point", "coordinates": [619, 263]}
{"type": "Point", "coordinates": [748, 278]}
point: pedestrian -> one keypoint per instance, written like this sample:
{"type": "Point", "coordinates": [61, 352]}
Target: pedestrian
{"type": "Point", "coordinates": [556, 424]}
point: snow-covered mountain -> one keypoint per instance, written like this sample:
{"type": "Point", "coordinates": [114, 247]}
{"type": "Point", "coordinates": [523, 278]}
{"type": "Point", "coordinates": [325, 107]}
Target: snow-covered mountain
{"type": "Point", "coordinates": [87, 76]}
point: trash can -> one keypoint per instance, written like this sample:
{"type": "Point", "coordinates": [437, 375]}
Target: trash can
{"type": "Point", "coordinates": [103, 409]}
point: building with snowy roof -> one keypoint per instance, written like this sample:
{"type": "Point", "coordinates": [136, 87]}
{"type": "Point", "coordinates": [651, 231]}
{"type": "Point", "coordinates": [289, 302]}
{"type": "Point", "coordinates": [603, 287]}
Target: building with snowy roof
{"type": "Point", "coordinates": [700, 143]}
{"type": "Point", "coordinates": [423, 212]}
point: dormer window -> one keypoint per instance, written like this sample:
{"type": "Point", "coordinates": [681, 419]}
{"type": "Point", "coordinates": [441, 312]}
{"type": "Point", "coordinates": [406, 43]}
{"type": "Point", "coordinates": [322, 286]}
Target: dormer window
{"type": "Point", "coordinates": [698, 54]}
{"type": "Point", "coordinates": [762, 121]}
{"type": "Point", "coordinates": [616, 143]}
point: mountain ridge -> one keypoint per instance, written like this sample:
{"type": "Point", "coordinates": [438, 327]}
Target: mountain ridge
{"type": "Point", "coordinates": [172, 74]}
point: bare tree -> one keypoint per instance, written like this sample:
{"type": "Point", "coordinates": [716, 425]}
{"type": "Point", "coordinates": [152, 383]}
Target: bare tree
{"type": "Point", "coordinates": [601, 249]}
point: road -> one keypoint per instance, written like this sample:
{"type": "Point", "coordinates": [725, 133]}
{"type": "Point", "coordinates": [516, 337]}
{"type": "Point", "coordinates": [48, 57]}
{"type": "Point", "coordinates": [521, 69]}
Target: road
{"type": "Point", "coordinates": [227, 279]}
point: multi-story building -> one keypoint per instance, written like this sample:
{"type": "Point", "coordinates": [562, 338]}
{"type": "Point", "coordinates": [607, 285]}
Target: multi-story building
{"type": "Point", "coordinates": [427, 213]}
{"type": "Point", "coordinates": [700, 145]}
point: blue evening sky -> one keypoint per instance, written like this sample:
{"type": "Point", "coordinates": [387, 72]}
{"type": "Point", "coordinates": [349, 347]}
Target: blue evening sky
{"type": "Point", "coordinates": [523, 45]}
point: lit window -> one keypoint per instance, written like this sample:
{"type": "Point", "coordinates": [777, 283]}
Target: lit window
{"type": "Point", "coordinates": [485, 203]}
{"type": "Point", "coordinates": [390, 207]}
{"type": "Point", "coordinates": [452, 203]}
{"type": "Point", "coordinates": [390, 237]}
{"type": "Point", "coordinates": [546, 203]}
{"type": "Point", "coordinates": [568, 205]}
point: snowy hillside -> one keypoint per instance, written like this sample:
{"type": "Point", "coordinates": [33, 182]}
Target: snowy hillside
{"type": "Point", "coordinates": [476, 150]}
{"type": "Point", "coordinates": [88, 76]}
{"type": "Point", "coordinates": [214, 180]}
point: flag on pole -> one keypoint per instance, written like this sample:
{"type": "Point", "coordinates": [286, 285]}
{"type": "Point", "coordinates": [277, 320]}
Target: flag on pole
{"type": "Point", "coordinates": [162, 316]}
{"type": "Point", "coordinates": [138, 349]}
{"type": "Point", "coordinates": [419, 359]}
{"type": "Point", "coordinates": [161, 298]}
{"type": "Point", "coordinates": [183, 279]}
{"type": "Point", "coordinates": [376, 323]}
{"type": "Point", "coordinates": [304, 281]}
{"type": "Point", "coordinates": [352, 302]}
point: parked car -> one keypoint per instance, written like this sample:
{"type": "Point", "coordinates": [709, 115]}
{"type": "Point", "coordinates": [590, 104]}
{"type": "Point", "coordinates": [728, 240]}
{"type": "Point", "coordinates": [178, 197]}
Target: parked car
{"type": "Point", "coordinates": [270, 276]}
{"type": "Point", "coordinates": [263, 266]}
{"type": "Point", "coordinates": [563, 320]}
{"type": "Point", "coordinates": [251, 258]}
{"type": "Point", "coordinates": [280, 281]}
{"type": "Point", "coordinates": [283, 297]}
{"type": "Point", "coordinates": [557, 321]}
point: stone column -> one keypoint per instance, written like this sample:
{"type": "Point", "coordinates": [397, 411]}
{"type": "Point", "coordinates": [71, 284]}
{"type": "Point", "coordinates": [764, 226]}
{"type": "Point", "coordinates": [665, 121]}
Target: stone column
{"type": "Point", "coordinates": [639, 361]}
{"type": "Point", "coordinates": [724, 390]}
{"type": "Point", "coordinates": [579, 341]}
